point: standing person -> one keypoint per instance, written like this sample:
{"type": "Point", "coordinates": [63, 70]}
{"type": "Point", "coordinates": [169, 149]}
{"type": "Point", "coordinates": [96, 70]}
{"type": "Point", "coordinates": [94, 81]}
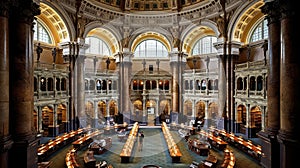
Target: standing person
{"type": "Point", "coordinates": [141, 139]}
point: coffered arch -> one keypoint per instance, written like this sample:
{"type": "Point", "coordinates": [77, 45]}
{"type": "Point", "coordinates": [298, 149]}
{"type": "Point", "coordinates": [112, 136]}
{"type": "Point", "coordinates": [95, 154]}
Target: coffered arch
{"type": "Point", "coordinates": [244, 20]}
{"type": "Point", "coordinates": [57, 22]}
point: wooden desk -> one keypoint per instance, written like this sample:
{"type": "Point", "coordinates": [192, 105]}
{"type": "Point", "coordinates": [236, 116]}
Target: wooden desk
{"type": "Point", "coordinates": [172, 146]}
{"type": "Point", "coordinates": [229, 159]}
{"type": "Point", "coordinates": [45, 150]}
{"type": "Point", "coordinates": [214, 141]}
{"type": "Point", "coordinates": [89, 159]}
{"type": "Point", "coordinates": [70, 159]}
{"type": "Point", "coordinates": [101, 146]}
{"type": "Point", "coordinates": [247, 146]}
{"type": "Point", "coordinates": [198, 147]}
{"type": "Point", "coordinates": [129, 144]}
{"type": "Point", "coordinates": [212, 159]}
{"type": "Point", "coordinates": [85, 140]}
{"type": "Point", "coordinates": [44, 164]}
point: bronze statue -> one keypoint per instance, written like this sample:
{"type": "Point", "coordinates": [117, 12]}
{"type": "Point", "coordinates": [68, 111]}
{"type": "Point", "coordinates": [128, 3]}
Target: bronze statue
{"type": "Point", "coordinates": [39, 50]}
{"type": "Point", "coordinates": [54, 54]}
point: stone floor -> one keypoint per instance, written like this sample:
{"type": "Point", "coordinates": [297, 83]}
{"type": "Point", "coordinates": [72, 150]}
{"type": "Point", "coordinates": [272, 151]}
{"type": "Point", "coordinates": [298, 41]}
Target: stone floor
{"type": "Point", "coordinates": [154, 153]}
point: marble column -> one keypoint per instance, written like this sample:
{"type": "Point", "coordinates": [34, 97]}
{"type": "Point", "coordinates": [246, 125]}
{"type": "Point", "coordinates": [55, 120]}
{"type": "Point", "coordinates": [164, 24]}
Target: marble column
{"type": "Point", "coordinates": [21, 84]}
{"type": "Point", "coordinates": [5, 139]}
{"type": "Point", "coordinates": [289, 132]}
{"type": "Point", "coordinates": [233, 50]}
{"type": "Point", "coordinates": [174, 64]}
{"type": "Point", "coordinates": [119, 61]}
{"type": "Point", "coordinates": [270, 145]}
{"type": "Point", "coordinates": [126, 79]}
{"type": "Point", "coordinates": [69, 57]}
{"type": "Point", "coordinates": [40, 119]}
{"type": "Point", "coordinates": [53, 127]}
{"type": "Point", "coordinates": [221, 86]}
{"type": "Point", "coordinates": [181, 82]}
{"type": "Point", "coordinates": [79, 85]}
{"type": "Point", "coordinates": [95, 118]}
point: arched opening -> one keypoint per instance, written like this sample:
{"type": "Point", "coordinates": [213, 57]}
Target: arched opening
{"type": "Point", "coordinates": [62, 118]}
{"type": "Point", "coordinates": [212, 117]}
{"type": "Point", "coordinates": [241, 119]}
{"type": "Point", "coordinates": [137, 113]}
{"type": "Point", "coordinates": [200, 113]}
{"type": "Point", "coordinates": [47, 120]}
{"type": "Point", "coordinates": [101, 111]}
{"type": "Point", "coordinates": [256, 119]}
{"type": "Point", "coordinates": [89, 111]}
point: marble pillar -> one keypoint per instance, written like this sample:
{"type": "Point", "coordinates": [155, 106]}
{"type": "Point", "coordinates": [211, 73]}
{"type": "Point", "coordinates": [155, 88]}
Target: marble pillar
{"type": "Point", "coordinates": [126, 79]}
{"type": "Point", "coordinates": [174, 64]}
{"type": "Point", "coordinates": [270, 145]}
{"type": "Point", "coordinates": [233, 50]}
{"type": "Point", "coordinates": [289, 132]}
{"type": "Point", "coordinates": [119, 62]}
{"type": "Point", "coordinates": [79, 83]}
{"type": "Point", "coordinates": [21, 84]}
{"type": "Point", "coordinates": [69, 57]}
{"type": "Point", "coordinates": [221, 86]}
{"type": "Point", "coordinates": [5, 139]}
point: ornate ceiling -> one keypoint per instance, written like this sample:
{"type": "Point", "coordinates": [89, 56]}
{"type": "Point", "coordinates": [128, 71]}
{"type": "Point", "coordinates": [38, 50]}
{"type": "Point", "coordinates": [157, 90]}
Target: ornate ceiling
{"type": "Point", "coordinates": [151, 5]}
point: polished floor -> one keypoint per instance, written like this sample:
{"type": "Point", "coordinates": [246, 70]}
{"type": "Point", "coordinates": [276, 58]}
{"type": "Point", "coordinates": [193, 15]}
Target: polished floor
{"type": "Point", "coordinates": [154, 153]}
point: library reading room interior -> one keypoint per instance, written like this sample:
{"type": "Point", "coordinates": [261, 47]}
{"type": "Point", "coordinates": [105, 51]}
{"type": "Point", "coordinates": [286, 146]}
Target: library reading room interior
{"type": "Point", "coordinates": [149, 83]}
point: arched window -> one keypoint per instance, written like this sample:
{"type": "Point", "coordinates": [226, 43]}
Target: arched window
{"type": "Point", "coordinates": [63, 84]}
{"type": "Point", "coordinates": [259, 83]}
{"type": "Point", "coordinates": [151, 48]}
{"type": "Point", "coordinates": [191, 84]}
{"type": "Point", "coordinates": [186, 85]}
{"type": "Point", "coordinates": [148, 85]}
{"type": "Point", "coordinates": [203, 84]}
{"type": "Point", "coordinates": [161, 84]}
{"type": "Point", "coordinates": [153, 84]}
{"type": "Point", "coordinates": [210, 84]}
{"type": "Point", "coordinates": [245, 83]}
{"type": "Point", "coordinates": [166, 85]}
{"type": "Point", "coordinates": [86, 84]}
{"type": "Point", "coordinates": [92, 85]}
{"type": "Point", "coordinates": [216, 84]}
{"type": "Point", "coordinates": [57, 84]}
{"type": "Point", "coordinates": [204, 46]}
{"type": "Point", "coordinates": [98, 84]}
{"type": "Point", "coordinates": [50, 84]}
{"type": "Point", "coordinates": [198, 85]}
{"type": "Point", "coordinates": [97, 46]}
{"type": "Point", "coordinates": [41, 33]}
{"type": "Point", "coordinates": [260, 32]}
{"type": "Point", "coordinates": [35, 84]}
{"type": "Point", "coordinates": [252, 83]}
{"type": "Point", "coordinates": [240, 84]}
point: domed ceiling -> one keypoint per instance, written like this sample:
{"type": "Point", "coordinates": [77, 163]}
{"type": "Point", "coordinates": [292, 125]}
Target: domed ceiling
{"type": "Point", "coordinates": [152, 5]}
